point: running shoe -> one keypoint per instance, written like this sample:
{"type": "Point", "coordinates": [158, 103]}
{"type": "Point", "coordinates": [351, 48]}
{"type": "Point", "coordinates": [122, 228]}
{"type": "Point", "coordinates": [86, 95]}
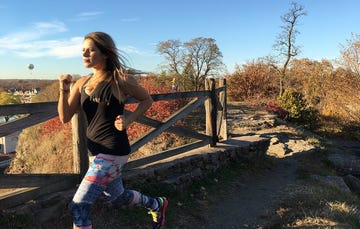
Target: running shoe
{"type": "Point", "coordinates": [159, 215]}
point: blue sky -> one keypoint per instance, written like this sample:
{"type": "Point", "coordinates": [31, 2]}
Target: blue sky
{"type": "Point", "coordinates": [49, 34]}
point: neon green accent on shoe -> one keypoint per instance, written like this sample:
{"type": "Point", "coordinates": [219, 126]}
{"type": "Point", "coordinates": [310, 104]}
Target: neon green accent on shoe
{"type": "Point", "coordinates": [159, 215]}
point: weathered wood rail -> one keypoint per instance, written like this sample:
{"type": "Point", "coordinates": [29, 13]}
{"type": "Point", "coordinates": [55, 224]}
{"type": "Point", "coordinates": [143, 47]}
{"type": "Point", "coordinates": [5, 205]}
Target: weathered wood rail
{"type": "Point", "coordinates": [30, 186]}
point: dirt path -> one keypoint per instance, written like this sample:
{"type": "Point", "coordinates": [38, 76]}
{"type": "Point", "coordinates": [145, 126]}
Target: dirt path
{"type": "Point", "coordinates": [249, 197]}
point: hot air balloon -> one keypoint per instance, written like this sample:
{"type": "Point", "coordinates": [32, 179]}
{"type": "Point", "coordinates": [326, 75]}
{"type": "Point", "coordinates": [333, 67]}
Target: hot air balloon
{"type": "Point", "coordinates": [31, 66]}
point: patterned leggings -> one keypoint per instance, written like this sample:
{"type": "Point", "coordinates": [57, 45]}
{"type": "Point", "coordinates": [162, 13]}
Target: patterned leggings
{"type": "Point", "coordinates": [104, 177]}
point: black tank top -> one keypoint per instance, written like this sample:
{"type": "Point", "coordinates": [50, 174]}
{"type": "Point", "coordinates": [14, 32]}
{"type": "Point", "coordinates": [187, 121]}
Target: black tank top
{"type": "Point", "coordinates": [102, 136]}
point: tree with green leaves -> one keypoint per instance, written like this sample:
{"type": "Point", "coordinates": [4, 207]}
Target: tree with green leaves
{"type": "Point", "coordinates": [8, 98]}
{"type": "Point", "coordinates": [191, 62]}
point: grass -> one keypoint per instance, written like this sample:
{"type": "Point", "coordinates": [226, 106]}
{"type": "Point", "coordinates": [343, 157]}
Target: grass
{"type": "Point", "coordinates": [310, 203]}
{"type": "Point", "coordinates": [15, 221]}
{"type": "Point", "coordinates": [187, 204]}
{"type": "Point", "coordinates": [338, 128]}
{"type": "Point", "coordinates": [38, 153]}
{"type": "Point", "coordinates": [306, 204]}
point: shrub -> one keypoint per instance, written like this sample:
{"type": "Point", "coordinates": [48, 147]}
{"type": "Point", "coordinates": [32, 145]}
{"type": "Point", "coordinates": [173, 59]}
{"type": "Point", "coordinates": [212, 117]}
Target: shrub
{"type": "Point", "coordinates": [293, 103]}
{"type": "Point", "coordinates": [298, 110]}
{"type": "Point", "coordinates": [253, 80]}
{"type": "Point", "coordinates": [278, 110]}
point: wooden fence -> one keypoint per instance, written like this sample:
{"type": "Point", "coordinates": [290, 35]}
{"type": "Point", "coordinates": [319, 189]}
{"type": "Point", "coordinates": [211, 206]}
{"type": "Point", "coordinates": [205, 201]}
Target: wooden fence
{"type": "Point", "coordinates": [25, 187]}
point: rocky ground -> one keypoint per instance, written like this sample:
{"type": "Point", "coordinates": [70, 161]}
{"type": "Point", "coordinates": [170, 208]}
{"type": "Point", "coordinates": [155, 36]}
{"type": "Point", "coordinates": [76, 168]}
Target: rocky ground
{"type": "Point", "coordinates": [247, 200]}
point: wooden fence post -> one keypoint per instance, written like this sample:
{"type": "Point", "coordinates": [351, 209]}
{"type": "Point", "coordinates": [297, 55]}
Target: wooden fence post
{"type": "Point", "coordinates": [223, 122]}
{"type": "Point", "coordinates": [207, 105]}
{"type": "Point", "coordinates": [80, 155]}
{"type": "Point", "coordinates": [211, 111]}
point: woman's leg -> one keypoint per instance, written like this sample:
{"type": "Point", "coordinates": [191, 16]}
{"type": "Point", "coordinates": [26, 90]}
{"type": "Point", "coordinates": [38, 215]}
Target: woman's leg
{"type": "Point", "coordinates": [80, 206]}
{"type": "Point", "coordinates": [156, 206]}
{"type": "Point", "coordinates": [135, 198]}
{"type": "Point", "coordinates": [120, 196]}
{"type": "Point", "coordinates": [104, 176]}
{"type": "Point", "coordinates": [102, 171]}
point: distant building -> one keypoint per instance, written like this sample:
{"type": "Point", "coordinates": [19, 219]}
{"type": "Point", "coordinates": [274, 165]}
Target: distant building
{"type": "Point", "coordinates": [26, 95]}
{"type": "Point", "coordinates": [8, 143]}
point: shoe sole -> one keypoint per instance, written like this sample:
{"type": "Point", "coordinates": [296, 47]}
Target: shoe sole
{"type": "Point", "coordinates": [163, 210]}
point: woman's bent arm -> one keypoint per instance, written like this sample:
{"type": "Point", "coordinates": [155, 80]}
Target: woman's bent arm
{"type": "Point", "coordinates": [139, 93]}
{"type": "Point", "coordinates": [69, 101]}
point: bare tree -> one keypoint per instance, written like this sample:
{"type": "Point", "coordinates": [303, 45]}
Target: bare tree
{"type": "Point", "coordinates": [193, 61]}
{"type": "Point", "coordinates": [204, 57]}
{"type": "Point", "coordinates": [171, 49]}
{"type": "Point", "coordinates": [285, 42]}
{"type": "Point", "coordinates": [350, 56]}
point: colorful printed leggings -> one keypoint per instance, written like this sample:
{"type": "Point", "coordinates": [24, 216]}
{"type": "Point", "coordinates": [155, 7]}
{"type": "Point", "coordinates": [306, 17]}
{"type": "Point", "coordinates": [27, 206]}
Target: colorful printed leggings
{"type": "Point", "coordinates": [104, 177]}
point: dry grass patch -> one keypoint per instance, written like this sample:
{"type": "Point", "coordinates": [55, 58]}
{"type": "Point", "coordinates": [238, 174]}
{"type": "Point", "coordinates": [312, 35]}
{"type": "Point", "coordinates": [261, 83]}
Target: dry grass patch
{"type": "Point", "coordinates": [45, 154]}
{"type": "Point", "coordinates": [313, 221]}
{"type": "Point", "coordinates": [311, 204]}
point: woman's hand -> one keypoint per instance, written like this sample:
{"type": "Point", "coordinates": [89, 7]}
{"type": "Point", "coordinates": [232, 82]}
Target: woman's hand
{"type": "Point", "coordinates": [65, 82]}
{"type": "Point", "coordinates": [69, 103]}
{"type": "Point", "coordinates": [120, 123]}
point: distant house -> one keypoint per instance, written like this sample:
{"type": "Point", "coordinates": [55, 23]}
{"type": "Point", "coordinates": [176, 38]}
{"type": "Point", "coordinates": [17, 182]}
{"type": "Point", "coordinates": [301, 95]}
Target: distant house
{"type": "Point", "coordinates": [26, 95]}
{"type": "Point", "coordinates": [8, 143]}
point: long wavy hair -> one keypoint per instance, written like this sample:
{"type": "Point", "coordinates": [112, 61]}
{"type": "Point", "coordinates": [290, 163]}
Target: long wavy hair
{"type": "Point", "coordinates": [116, 68]}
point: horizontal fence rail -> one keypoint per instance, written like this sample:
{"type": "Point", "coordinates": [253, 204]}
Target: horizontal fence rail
{"type": "Point", "coordinates": [213, 99]}
{"type": "Point", "coordinates": [30, 115]}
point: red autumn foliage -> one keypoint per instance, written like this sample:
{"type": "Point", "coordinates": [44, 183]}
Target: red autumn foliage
{"type": "Point", "coordinates": [54, 125]}
{"type": "Point", "coordinates": [159, 110]}
{"type": "Point", "coordinates": [276, 109]}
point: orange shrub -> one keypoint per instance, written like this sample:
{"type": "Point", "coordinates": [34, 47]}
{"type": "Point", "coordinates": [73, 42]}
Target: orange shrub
{"type": "Point", "coordinates": [254, 80]}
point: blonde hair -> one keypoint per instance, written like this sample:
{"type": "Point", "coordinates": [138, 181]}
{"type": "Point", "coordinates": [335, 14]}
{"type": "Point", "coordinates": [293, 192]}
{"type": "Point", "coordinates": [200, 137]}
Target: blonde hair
{"type": "Point", "coordinates": [115, 66]}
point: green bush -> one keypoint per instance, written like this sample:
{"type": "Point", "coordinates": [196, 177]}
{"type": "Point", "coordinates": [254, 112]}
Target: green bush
{"type": "Point", "coordinates": [298, 109]}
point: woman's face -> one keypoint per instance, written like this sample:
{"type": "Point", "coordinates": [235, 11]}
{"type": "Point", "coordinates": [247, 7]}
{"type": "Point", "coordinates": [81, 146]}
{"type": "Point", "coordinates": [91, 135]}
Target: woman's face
{"type": "Point", "coordinates": [92, 56]}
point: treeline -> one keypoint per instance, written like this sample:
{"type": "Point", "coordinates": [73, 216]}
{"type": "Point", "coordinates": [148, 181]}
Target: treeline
{"type": "Point", "coordinates": [23, 84]}
{"type": "Point", "coordinates": [315, 91]}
